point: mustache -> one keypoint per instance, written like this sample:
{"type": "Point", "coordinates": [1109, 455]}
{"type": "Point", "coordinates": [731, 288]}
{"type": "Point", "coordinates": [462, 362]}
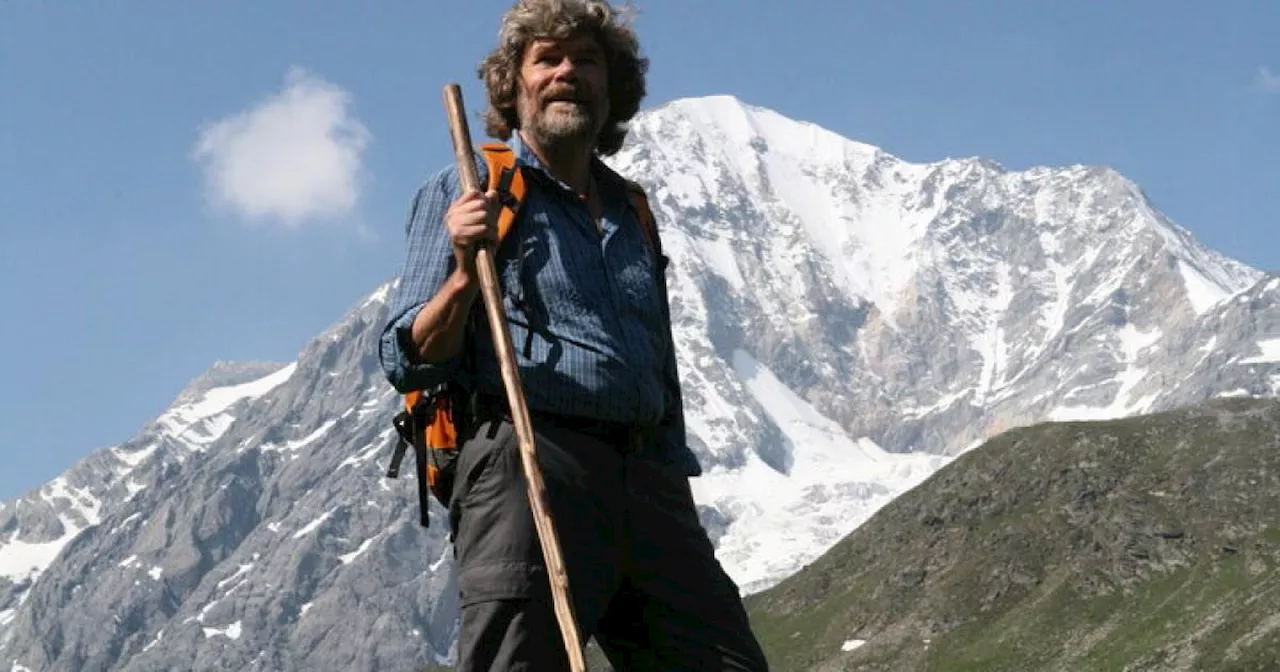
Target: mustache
{"type": "Point", "coordinates": [570, 94]}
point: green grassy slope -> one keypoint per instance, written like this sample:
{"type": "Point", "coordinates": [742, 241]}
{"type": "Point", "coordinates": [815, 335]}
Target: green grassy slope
{"type": "Point", "coordinates": [1148, 543]}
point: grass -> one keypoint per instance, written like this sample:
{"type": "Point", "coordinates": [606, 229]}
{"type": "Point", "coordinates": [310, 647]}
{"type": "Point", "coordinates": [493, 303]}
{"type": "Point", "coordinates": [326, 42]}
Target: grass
{"type": "Point", "coordinates": [1204, 605]}
{"type": "Point", "coordinates": [1132, 545]}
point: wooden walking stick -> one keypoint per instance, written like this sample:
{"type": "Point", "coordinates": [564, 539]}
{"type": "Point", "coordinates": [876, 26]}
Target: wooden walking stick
{"type": "Point", "coordinates": [461, 134]}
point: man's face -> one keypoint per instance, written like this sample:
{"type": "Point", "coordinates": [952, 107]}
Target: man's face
{"type": "Point", "coordinates": [564, 91]}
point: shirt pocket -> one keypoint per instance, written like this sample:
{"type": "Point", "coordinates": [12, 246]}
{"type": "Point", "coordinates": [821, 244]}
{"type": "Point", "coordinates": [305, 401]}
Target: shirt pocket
{"type": "Point", "coordinates": [638, 283]}
{"type": "Point", "coordinates": [510, 275]}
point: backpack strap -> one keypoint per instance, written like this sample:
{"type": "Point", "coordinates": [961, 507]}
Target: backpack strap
{"type": "Point", "coordinates": [413, 425]}
{"type": "Point", "coordinates": [648, 225]}
{"type": "Point", "coordinates": [506, 178]}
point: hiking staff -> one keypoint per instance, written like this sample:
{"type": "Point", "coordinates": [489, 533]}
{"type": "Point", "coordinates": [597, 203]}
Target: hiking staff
{"type": "Point", "coordinates": [556, 573]}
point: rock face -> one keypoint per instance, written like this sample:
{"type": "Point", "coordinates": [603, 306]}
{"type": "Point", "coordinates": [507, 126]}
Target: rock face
{"type": "Point", "coordinates": [848, 323]}
{"type": "Point", "coordinates": [1147, 543]}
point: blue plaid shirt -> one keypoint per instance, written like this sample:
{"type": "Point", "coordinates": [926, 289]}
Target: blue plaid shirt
{"type": "Point", "coordinates": [588, 314]}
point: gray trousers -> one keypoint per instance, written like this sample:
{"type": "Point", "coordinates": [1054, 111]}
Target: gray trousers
{"type": "Point", "coordinates": [643, 576]}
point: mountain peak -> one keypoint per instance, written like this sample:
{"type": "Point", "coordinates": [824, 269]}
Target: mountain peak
{"type": "Point", "coordinates": [224, 373]}
{"type": "Point", "coordinates": [727, 120]}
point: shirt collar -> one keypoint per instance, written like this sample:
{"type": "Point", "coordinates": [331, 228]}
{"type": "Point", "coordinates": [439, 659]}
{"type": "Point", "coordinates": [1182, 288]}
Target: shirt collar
{"type": "Point", "coordinates": [525, 155]}
{"type": "Point", "coordinates": [606, 178]}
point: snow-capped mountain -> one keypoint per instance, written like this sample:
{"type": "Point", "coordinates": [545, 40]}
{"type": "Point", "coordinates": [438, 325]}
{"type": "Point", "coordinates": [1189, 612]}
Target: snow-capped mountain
{"type": "Point", "coordinates": [860, 303]}
{"type": "Point", "coordinates": [847, 322]}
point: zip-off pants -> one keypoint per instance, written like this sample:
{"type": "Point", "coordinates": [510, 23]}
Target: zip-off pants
{"type": "Point", "coordinates": [643, 576]}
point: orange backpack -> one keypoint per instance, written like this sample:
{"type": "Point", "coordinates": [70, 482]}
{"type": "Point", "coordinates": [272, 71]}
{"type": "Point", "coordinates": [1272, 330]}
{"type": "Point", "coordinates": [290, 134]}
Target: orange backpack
{"type": "Point", "coordinates": [426, 422]}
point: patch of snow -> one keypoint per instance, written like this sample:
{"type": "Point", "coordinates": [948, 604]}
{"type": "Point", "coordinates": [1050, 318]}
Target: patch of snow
{"type": "Point", "coordinates": [197, 423]}
{"type": "Point", "coordinates": [1201, 292]}
{"type": "Point", "coordinates": [445, 555]}
{"type": "Point", "coordinates": [313, 525]}
{"type": "Point", "coordinates": [220, 399]}
{"type": "Point", "coordinates": [378, 296]}
{"type": "Point", "coordinates": [133, 487]}
{"type": "Point", "coordinates": [207, 430]}
{"type": "Point", "coordinates": [152, 643]}
{"type": "Point", "coordinates": [242, 569]}
{"type": "Point", "coordinates": [834, 483]}
{"type": "Point", "coordinates": [1133, 343]}
{"type": "Point", "coordinates": [134, 457]}
{"type": "Point", "coordinates": [21, 561]}
{"type": "Point", "coordinates": [1240, 392]}
{"type": "Point", "coordinates": [809, 181]}
{"type": "Point", "coordinates": [125, 523]}
{"type": "Point", "coordinates": [991, 343]}
{"type": "Point", "coordinates": [1270, 353]}
{"type": "Point", "coordinates": [347, 558]}
{"type": "Point", "coordinates": [943, 403]}
{"type": "Point", "coordinates": [80, 501]}
{"type": "Point", "coordinates": [719, 255]}
{"type": "Point", "coordinates": [371, 451]}
{"type": "Point", "coordinates": [230, 632]}
{"type": "Point", "coordinates": [298, 444]}
{"type": "Point", "coordinates": [377, 402]}
{"type": "Point", "coordinates": [1054, 314]}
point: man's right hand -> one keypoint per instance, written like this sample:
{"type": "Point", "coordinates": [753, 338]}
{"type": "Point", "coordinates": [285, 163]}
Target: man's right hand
{"type": "Point", "coordinates": [439, 327]}
{"type": "Point", "coordinates": [471, 220]}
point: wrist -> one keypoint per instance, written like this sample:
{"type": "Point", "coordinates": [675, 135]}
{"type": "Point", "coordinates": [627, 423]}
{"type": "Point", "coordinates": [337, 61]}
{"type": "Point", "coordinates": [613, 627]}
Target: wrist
{"type": "Point", "coordinates": [464, 281]}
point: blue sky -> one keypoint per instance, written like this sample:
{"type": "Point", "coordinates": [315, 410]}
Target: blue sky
{"type": "Point", "coordinates": [123, 274]}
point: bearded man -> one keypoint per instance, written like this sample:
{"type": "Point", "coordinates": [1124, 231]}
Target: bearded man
{"type": "Point", "coordinates": [586, 299]}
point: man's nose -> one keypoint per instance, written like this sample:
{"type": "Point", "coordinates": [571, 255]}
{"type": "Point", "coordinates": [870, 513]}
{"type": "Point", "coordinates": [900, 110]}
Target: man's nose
{"type": "Point", "coordinates": [567, 68]}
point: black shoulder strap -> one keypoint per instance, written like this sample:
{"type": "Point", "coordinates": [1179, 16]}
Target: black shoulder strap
{"type": "Point", "coordinates": [648, 224]}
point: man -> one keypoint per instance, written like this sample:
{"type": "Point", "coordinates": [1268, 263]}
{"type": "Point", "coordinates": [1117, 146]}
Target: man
{"type": "Point", "coordinates": [586, 298]}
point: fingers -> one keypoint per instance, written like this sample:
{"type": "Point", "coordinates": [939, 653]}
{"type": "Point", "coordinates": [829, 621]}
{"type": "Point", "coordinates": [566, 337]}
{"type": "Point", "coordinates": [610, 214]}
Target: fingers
{"type": "Point", "coordinates": [471, 219]}
{"type": "Point", "coordinates": [474, 199]}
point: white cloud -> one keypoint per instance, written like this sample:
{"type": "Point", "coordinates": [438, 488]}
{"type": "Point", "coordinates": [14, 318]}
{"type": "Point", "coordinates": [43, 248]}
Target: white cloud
{"type": "Point", "coordinates": [1267, 81]}
{"type": "Point", "coordinates": [293, 158]}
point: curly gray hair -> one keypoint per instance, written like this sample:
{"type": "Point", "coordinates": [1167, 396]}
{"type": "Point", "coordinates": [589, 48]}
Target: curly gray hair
{"type": "Point", "coordinates": [528, 20]}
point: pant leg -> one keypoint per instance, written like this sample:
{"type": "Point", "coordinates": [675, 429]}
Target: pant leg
{"type": "Point", "coordinates": [508, 619]}
{"type": "Point", "coordinates": [677, 609]}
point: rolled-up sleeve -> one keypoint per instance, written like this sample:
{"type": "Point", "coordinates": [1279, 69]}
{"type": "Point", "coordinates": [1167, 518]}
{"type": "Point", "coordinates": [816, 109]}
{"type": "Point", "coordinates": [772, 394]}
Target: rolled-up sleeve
{"type": "Point", "coordinates": [428, 262]}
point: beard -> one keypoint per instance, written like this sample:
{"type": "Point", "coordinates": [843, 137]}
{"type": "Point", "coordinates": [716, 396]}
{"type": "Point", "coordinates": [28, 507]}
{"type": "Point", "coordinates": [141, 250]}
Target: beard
{"type": "Point", "coordinates": [558, 125]}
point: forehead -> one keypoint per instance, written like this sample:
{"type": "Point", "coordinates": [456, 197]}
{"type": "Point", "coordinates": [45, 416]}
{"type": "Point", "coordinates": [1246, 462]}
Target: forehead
{"type": "Point", "coordinates": [578, 43]}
